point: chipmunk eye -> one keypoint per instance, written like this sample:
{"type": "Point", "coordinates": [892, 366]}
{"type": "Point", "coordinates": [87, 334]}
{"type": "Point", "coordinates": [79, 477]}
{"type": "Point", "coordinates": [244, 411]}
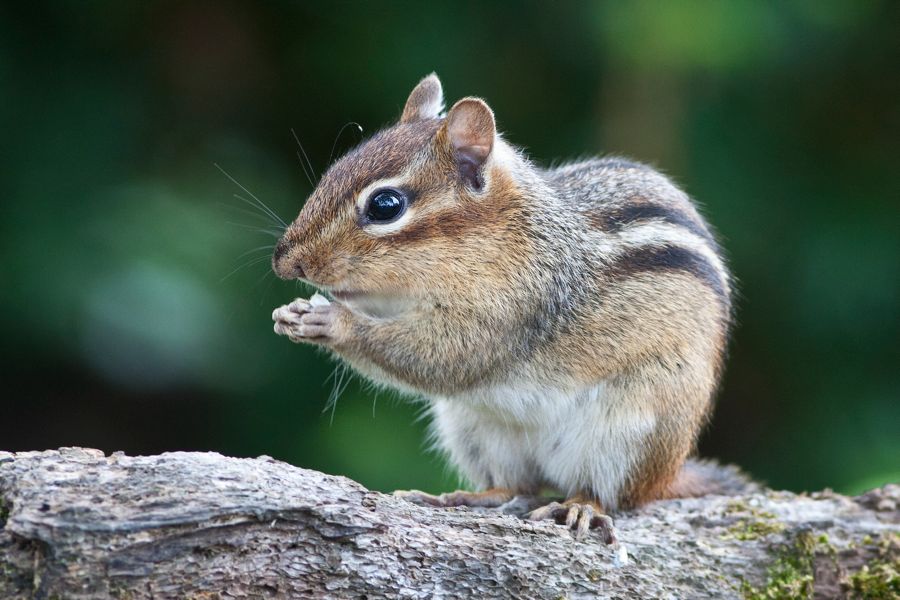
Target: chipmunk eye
{"type": "Point", "coordinates": [385, 205]}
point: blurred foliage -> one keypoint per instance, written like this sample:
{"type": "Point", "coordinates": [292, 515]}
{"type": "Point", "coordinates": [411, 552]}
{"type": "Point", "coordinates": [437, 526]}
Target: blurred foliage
{"type": "Point", "coordinates": [135, 314]}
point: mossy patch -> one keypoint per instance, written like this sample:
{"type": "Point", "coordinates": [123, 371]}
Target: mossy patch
{"type": "Point", "coordinates": [757, 524]}
{"type": "Point", "coordinates": [740, 506]}
{"type": "Point", "coordinates": [880, 579]}
{"type": "Point", "coordinates": [800, 570]}
{"type": "Point", "coordinates": [4, 512]}
{"type": "Point", "coordinates": [745, 530]}
{"type": "Point", "coordinates": [791, 576]}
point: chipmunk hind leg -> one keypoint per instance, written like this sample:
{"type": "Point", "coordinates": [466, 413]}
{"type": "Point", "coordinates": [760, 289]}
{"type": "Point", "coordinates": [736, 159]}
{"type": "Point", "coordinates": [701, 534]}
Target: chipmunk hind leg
{"type": "Point", "coordinates": [491, 498]}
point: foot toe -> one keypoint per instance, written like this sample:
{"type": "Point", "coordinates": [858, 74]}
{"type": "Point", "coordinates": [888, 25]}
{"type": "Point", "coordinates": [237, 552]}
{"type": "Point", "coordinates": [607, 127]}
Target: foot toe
{"type": "Point", "coordinates": [299, 306]}
{"type": "Point", "coordinates": [579, 518]}
{"type": "Point", "coordinates": [573, 516]}
{"type": "Point", "coordinates": [583, 523]}
{"type": "Point", "coordinates": [545, 512]}
{"type": "Point", "coordinates": [315, 318]}
{"type": "Point", "coordinates": [420, 498]}
{"type": "Point", "coordinates": [604, 525]}
{"type": "Point", "coordinates": [313, 331]}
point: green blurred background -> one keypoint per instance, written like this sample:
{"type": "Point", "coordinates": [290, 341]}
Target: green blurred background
{"type": "Point", "coordinates": [127, 323]}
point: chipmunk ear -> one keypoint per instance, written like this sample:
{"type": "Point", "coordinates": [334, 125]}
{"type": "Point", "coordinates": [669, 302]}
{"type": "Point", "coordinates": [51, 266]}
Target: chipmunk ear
{"type": "Point", "coordinates": [426, 101]}
{"type": "Point", "coordinates": [470, 130]}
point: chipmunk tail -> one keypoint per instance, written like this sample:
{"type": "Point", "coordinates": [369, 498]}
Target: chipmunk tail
{"type": "Point", "coordinates": [700, 477]}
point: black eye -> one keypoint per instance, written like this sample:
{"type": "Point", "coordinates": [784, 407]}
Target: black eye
{"type": "Point", "coordinates": [385, 205]}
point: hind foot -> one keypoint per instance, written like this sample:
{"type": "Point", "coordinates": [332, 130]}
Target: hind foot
{"type": "Point", "coordinates": [578, 514]}
{"type": "Point", "coordinates": [491, 498]}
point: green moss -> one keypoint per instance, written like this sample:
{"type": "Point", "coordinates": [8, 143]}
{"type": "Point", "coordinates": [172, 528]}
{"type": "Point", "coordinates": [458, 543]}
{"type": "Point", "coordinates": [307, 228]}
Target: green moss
{"type": "Point", "coordinates": [759, 523]}
{"type": "Point", "coordinates": [791, 576]}
{"type": "Point", "coordinates": [878, 581]}
{"type": "Point", "coordinates": [4, 512]}
{"type": "Point", "coordinates": [739, 506]}
{"type": "Point", "coordinates": [752, 530]}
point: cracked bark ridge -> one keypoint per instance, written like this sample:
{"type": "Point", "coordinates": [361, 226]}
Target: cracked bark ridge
{"type": "Point", "coordinates": [75, 523]}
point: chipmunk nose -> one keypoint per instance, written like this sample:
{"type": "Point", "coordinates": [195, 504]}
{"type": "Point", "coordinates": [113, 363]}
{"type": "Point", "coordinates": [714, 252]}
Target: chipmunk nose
{"type": "Point", "coordinates": [283, 265]}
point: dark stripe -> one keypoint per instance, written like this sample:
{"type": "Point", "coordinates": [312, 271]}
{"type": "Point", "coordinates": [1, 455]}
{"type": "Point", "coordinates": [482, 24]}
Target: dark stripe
{"type": "Point", "coordinates": [673, 258]}
{"type": "Point", "coordinates": [618, 217]}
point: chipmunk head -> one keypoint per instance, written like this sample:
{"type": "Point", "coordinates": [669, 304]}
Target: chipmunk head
{"type": "Point", "coordinates": [395, 213]}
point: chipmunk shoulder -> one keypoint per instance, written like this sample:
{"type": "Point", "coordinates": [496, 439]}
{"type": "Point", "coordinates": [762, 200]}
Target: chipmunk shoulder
{"type": "Point", "coordinates": [567, 326]}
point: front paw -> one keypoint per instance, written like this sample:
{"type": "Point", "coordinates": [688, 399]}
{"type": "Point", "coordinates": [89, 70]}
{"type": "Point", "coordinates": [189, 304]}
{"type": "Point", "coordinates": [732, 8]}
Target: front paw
{"type": "Point", "coordinates": [314, 320]}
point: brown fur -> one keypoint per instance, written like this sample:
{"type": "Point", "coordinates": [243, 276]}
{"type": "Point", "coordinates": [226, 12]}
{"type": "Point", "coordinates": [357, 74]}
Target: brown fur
{"type": "Point", "coordinates": [599, 273]}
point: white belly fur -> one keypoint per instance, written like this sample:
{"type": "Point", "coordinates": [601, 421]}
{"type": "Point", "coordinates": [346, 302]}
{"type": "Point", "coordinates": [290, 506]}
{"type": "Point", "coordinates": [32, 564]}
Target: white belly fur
{"type": "Point", "coordinates": [524, 439]}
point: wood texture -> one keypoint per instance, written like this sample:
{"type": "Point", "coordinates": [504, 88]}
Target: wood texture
{"type": "Point", "coordinates": [77, 524]}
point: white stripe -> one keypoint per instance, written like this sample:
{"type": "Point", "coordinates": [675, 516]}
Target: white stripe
{"type": "Point", "coordinates": [658, 234]}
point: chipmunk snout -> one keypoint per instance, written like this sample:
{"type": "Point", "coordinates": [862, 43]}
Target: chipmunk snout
{"type": "Point", "coordinates": [285, 265]}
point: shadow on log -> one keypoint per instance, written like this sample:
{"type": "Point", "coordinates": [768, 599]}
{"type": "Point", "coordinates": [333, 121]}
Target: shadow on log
{"type": "Point", "coordinates": [75, 523]}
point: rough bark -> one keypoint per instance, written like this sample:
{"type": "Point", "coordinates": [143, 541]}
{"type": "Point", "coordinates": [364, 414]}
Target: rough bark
{"type": "Point", "coordinates": [77, 524]}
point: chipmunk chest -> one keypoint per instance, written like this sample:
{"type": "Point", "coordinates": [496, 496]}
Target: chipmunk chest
{"type": "Point", "coordinates": [547, 421]}
{"type": "Point", "coordinates": [533, 421]}
{"type": "Point", "coordinates": [528, 438]}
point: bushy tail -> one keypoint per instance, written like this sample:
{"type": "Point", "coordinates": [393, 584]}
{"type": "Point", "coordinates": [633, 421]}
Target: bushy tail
{"type": "Point", "coordinates": [701, 477]}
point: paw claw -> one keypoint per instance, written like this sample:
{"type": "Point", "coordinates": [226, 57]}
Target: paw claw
{"type": "Point", "coordinates": [580, 517]}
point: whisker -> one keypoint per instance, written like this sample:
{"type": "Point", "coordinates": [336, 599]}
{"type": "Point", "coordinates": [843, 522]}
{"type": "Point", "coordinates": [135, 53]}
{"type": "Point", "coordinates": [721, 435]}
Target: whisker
{"type": "Point", "coordinates": [262, 296]}
{"type": "Point", "coordinates": [342, 380]}
{"type": "Point", "coordinates": [262, 204]}
{"type": "Point", "coordinates": [311, 172]}
{"type": "Point", "coordinates": [340, 391]}
{"type": "Point", "coordinates": [276, 233]}
{"type": "Point", "coordinates": [331, 403]}
{"type": "Point", "coordinates": [309, 177]}
{"type": "Point", "coordinates": [259, 280]}
{"type": "Point", "coordinates": [256, 214]}
{"type": "Point", "coordinates": [333, 372]}
{"type": "Point", "coordinates": [263, 278]}
{"type": "Point", "coordinates": [338, 136]}
{"type": "Point", "coordinates": [257, 249]}
{"type": "Point", "coordinates": [249, 263]}
{"type": "Point", "coordinates": [261, 214]}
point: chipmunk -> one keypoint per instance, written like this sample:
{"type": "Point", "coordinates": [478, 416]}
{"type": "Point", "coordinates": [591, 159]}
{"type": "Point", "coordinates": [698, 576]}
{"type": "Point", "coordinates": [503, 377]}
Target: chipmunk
{"type": "Point", "coordinates": [567, 326]}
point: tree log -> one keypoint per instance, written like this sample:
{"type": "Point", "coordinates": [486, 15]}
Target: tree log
{"type": "Point", "coordinates": [75, 523]}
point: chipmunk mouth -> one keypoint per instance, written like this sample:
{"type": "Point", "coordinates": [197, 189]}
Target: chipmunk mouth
{"type": "Point", "coordinates": [346, 295]}
{"type": "Point", "coordinates": [379, 305]}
